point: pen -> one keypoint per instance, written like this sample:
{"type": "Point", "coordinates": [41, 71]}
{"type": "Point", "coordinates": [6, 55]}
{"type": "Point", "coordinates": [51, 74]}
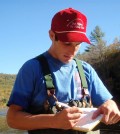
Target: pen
{"type": "Point", "coordinates": [84, 110]}
{"type": "Point", "coordinates": [62, 104]}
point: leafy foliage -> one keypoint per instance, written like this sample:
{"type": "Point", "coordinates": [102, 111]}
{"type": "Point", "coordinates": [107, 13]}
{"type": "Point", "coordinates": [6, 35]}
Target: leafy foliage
{"type": "Point", "coordinates": [106, 61]}
{"type": "Point", "coordinates": [96, 35]}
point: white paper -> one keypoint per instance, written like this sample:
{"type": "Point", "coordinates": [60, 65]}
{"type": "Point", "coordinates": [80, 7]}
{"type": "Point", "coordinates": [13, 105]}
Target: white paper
{"type": "Point", "coordinates": [86, 123]}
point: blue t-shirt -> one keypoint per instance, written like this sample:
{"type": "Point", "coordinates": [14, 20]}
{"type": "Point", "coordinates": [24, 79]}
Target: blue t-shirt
{"type": "Point", "coordinates": [30, 89]}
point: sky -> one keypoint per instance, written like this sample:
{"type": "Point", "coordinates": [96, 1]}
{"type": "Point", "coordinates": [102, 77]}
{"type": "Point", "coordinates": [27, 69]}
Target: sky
{"type": "Point", "coordinates": [24, 26]}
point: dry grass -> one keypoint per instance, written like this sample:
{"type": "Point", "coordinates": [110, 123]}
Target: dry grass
{"type": "Point", "coordinates": [5, 94]}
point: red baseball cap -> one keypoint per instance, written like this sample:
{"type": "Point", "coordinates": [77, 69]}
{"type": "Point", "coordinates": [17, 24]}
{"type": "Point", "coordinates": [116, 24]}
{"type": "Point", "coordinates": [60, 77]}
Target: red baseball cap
{"type": "Point", "coordinates": [69, 25]}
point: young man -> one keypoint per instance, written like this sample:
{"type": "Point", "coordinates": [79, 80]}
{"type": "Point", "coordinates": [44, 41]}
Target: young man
{"type": "Point", "coordinates": [32, 105]}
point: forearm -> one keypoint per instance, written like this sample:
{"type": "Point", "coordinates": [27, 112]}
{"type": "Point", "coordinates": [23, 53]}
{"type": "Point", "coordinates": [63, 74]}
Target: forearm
{"type": "Point", "coordinates": [65, 119]}
{"type": "Point", "coordinates": [26, 121]}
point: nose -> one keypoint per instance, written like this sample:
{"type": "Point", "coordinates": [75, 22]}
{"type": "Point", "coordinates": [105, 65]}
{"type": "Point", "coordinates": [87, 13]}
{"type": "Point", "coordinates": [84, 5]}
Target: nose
{"type": "Point", "coordinates": [73, 49]}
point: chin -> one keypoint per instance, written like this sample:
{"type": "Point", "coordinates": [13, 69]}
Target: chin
{"type": "Point", "coordinates": [67, 61]}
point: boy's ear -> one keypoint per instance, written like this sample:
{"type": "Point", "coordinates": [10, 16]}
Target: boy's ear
{"type": "Point", "coordinates": [51, 35]}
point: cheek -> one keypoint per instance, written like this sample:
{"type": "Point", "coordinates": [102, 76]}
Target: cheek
{"type": "Point", "coordinates": [62, 48]}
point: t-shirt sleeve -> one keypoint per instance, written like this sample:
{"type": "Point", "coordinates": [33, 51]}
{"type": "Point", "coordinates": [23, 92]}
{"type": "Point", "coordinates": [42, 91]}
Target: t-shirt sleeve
{"type": "Point", "coordinates": [98, 91]}
{"type": "Point", "coordinates": [23, 86]}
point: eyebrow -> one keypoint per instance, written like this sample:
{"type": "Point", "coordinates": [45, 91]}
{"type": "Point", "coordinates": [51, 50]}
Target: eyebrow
{"type": "Point", "coordinates": [73, 43]}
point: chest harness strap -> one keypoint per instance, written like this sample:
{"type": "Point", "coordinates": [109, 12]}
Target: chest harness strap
{"type": "Point", "coordinates": [51, 88]}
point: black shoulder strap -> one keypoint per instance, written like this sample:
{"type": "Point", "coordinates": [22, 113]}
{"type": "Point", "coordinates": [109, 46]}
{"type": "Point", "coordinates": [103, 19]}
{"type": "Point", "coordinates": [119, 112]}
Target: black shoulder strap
{"type": "Point", "coordinates": [46, 71]}
{"type": "Point", "coordinates": [81, 73]}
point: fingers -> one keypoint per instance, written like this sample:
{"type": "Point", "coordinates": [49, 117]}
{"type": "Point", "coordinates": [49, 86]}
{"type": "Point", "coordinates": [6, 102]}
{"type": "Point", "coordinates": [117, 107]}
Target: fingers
{"type": "Point", "coordinates": [73, 122]}
{"type": "Point", "coordinates": [68, 117]}
{"type": "Point", "coordinates": [73, 112]}
{"type": "Point", "coordinates": [110, 111]}
{"type": "Point", "coordinates": [113, 118]}
{"type": "Point", "coordinates": [74, 116]}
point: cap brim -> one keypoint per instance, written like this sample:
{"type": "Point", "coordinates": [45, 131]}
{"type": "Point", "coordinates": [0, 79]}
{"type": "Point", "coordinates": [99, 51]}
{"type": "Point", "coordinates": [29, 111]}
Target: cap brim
{"type": "Point", "coordinates": [72, 37]}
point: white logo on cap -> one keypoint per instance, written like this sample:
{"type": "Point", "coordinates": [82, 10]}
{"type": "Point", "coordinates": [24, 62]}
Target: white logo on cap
{"type": "Point", "coordinates": [77, 23]}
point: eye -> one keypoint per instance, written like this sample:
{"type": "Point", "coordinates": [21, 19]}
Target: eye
{"type": "Point", "coordinates": [67, 43]}
{"type": "Point", "coordinates": [72, 43]}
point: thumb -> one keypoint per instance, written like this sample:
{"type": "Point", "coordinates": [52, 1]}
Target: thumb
{"type": "Point", "coordinates": [96, 114]}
